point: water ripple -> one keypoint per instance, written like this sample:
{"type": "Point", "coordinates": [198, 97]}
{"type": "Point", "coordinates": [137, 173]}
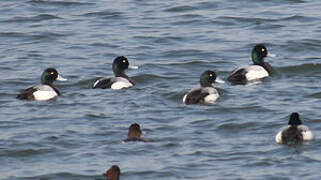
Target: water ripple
{"type": "Point", "coordinates": [38, 18]}
{"type": "Point", "coordinates": [178, 9]}
{"type": "Point", "coordinates": [59, 3]}
{"type": "Point", "coordinates": [78, 135]}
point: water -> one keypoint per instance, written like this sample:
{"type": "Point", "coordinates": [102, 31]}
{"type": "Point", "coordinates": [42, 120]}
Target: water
{"type": "Point", "coordinates": [78, 135]}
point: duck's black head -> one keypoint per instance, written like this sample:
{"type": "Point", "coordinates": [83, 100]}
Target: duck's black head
{"type": "Point", "coordinates": [294, 119]}
{"type": "Point", "coordinates": [49, 76]}
{"type": "Point", "coordinates": [259, 52]}
{"type": "Point", "coordinates": [120, 64]}
{"type": "Point", "coordinates": [207, 78]}
{"type": "Point", "coordinates": [134, 131]}
{"type": "Point", "coordinates": [113, 173]}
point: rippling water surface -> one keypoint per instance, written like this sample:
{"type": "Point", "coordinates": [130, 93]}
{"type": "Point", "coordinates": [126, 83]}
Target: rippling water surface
{"type": "Point", "coordinates": [78, 135]}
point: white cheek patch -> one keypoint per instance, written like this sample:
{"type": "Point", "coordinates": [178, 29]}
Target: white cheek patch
{"type": "Point", "coordinates": [121, 84]}
{"type": "Point", "coordinates": [44, 95]}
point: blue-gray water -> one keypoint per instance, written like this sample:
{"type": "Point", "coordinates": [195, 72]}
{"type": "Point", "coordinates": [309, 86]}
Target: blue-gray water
{"type": "Point", "coordinates": [78, 135]}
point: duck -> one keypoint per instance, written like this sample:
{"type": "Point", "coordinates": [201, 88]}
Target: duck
{"type": "Point", "coordinates": [134, 133]}
{"type": "Point", "coordinates": [206, 94]}
{"type": "Point", "coordinates": [113, 173]}
{"type": "Point", "coordinates": [256, 71]}
{"type": "Point", "coordinates": [46, 90]}
{"type": "Point", "coordinates": [120, 81]}
{"type": "Point", "coordinates": [295, 132]}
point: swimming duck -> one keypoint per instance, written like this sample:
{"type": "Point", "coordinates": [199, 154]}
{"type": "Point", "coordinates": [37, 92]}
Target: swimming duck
{"type": "Point", "coordinates": [258, 70]}
{"type": "Point", "coordinates": [113, 173]}
{"type": "Point", "coordinates": [134, 133]}
{"type": "Point", "coordinates": [206, 93]}
{"type": "Point", "coordinates": [46, 90]}
{"type": "Point", "coordinates": [295, 132]}
{"type": "Point", "coordinates": [120, 81]}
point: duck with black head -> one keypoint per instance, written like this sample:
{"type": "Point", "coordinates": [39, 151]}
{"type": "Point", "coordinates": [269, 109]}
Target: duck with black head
{"type": "Point", "coordinates": [257, 71]}
{"type": "Point", "coordinates": [206, 94]}
{"type": "Point", "coordinates": [134, 133]}
{"type": "Point", "coordinates": [46, 90]}
{"type": "Point", "coordinates": [121, 80]}
{"type": "Point", "coordinates": [113, 173]}
{"type": "Point", "coordinates": [295, 132]}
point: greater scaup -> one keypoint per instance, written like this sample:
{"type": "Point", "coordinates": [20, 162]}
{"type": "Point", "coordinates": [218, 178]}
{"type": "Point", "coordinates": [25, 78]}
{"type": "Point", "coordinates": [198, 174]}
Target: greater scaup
{"type": "Point", "coordinates": [113, 173]}
{"type": "Point", "coordinates": [206, 93]}
{"type": "Point", "coordinates": [46, 90]}
{"type": "Point", "coordinates": [258, 70]}
{"type": "Point", "coordinates": [295, 132]}
{"type": "Point", "coordinates": [134, 133]}
{"type": "Point", "coordinates": [120, 81]}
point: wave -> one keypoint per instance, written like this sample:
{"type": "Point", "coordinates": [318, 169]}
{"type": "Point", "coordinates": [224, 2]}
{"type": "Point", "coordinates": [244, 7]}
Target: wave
{"type": "Point", "coordinates": [303, 68]}
{"type": "Point", "coordinates": [236, 126]}
{"type": "Point", "coordinates": [299, 18]}
{"type": "Point", "coordinates": [183, 8]}
{"type": "Point", "coordinates": [26, 152]}
{"type": "Point", "coordinates": [315, 95]}
{"type": "Point", "coordinates": [105, 14]}
{"type": "Point", "coordinates": [60, 3]}
{"type": "Point", "coordinates": [41, 17]}
{"type": "Point", "coordinates": [60, 175]}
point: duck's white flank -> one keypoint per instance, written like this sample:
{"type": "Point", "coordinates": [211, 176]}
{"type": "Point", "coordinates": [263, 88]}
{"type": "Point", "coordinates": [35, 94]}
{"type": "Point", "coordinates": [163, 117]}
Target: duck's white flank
{"type": "Point", "coordinates": [278, 137]}
{"type": "Point", "coordinates": [255, 72]}
{"type": "Point", "coordinates": [121, 83]}
{"type": "Point", "coordinates": [306, 134]}
{"type": "Point", "coordinates": [212, 97]}
{"type": "Point", "coordinates": [44, 92]}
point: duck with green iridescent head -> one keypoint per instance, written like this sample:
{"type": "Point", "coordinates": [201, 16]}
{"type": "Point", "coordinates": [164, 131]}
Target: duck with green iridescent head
{"type": "Point", "coordinates": [46, 90]}
{"type": "Point", "coordinates": [206, 94]}
{"type": "Point", "coordinates": [256, 71]}
{"type": "Point", "coordinates": [121, 80]}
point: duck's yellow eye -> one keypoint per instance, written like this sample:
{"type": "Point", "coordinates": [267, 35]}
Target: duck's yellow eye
{"type": "Point", "coordinates": [124, 61]}
{"type": "Point", "coordinates": [52, 73]}
{"type": "Point", "coordinates": [211, 75]}
{"type": "Point", "coordinates": [263, 50]}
